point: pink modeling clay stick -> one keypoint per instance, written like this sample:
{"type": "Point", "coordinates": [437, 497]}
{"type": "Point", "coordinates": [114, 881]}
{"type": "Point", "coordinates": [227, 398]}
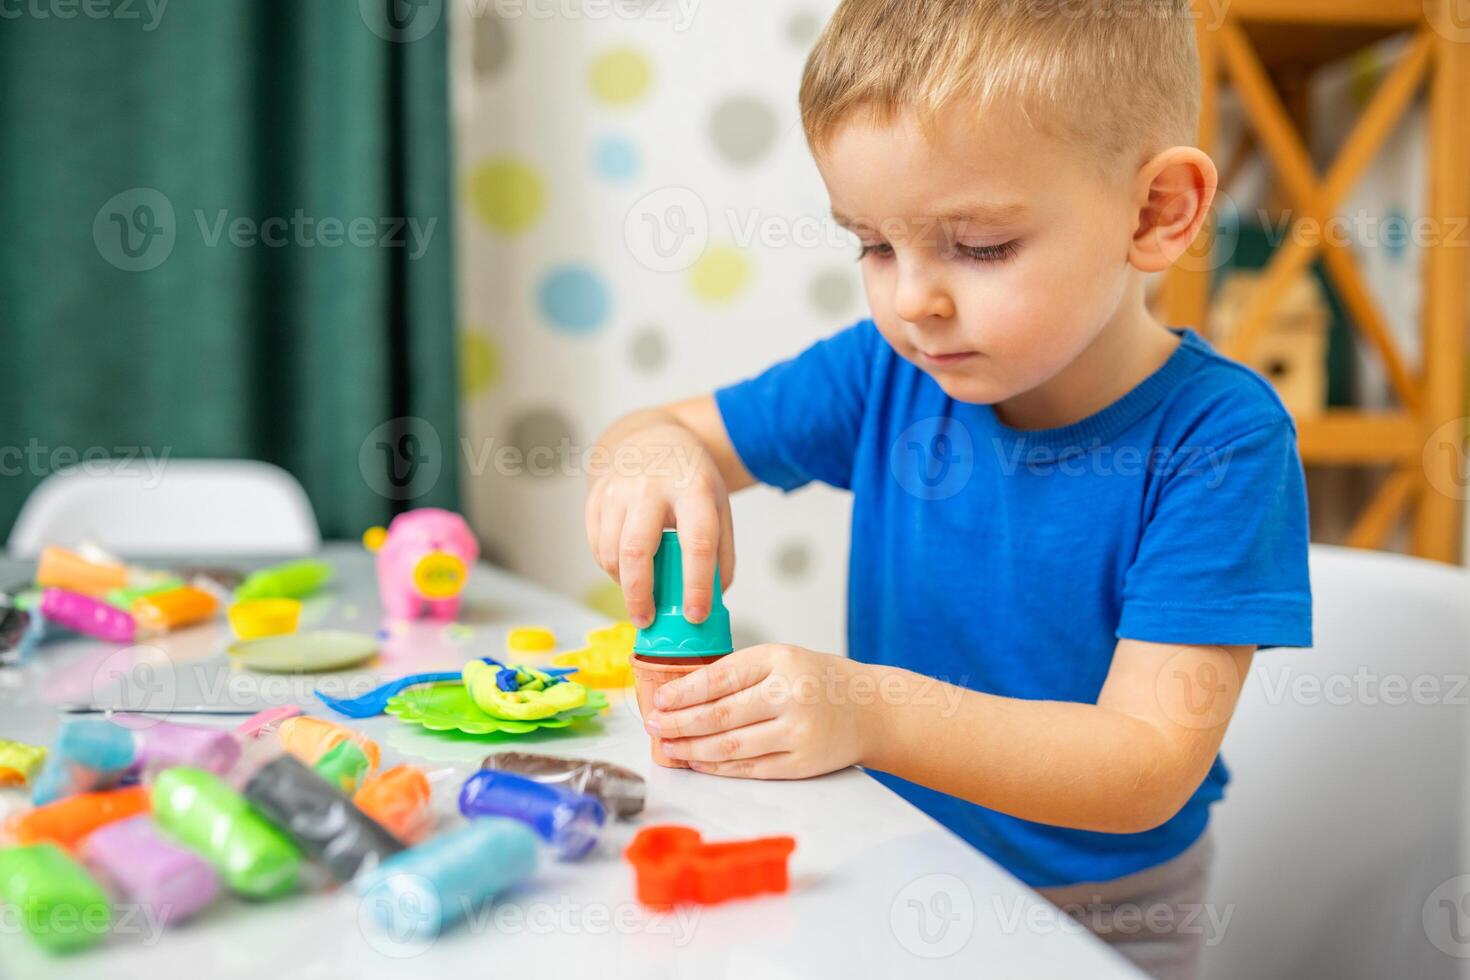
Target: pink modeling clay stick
{"type": "Point", "coordinates": [89, 616]}
{"type": "Point", "coordinates": [267, 721]}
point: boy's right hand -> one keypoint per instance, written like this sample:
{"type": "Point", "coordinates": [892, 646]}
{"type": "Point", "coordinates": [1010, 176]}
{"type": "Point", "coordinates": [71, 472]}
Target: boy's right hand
{"type": "Point", "coordinates": [662, 476]}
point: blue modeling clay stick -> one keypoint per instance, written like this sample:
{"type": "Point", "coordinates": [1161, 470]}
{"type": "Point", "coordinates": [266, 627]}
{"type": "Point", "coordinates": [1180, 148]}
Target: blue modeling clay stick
{"type": "Point", "coordinates": [419, 893]}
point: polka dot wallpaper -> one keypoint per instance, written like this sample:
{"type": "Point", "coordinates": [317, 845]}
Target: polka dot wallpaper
{"type": "Point", "coordinates": [640, 221]}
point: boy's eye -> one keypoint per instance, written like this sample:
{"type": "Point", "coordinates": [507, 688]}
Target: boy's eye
{"type": "Point", "coordinates": [882, 250]}
{"type": "Point", "coordinates": [987, 253]}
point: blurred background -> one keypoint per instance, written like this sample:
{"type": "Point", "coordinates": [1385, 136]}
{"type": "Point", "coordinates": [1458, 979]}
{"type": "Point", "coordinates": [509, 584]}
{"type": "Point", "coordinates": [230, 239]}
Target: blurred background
{"type": "Point", "coordinates": [420, 252]}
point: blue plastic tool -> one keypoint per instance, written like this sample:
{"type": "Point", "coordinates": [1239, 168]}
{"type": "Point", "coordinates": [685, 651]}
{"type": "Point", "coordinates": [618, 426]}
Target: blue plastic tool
{"type": "Point", "coordinates": [373, 703]}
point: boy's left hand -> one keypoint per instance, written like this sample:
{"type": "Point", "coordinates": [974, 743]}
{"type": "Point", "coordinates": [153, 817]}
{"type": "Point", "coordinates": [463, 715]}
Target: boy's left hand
{"type": "Point", "coordinates": [766, 712]}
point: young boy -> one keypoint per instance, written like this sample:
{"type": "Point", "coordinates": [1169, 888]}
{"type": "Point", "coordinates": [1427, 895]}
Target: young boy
{"type": "Point", "coordinates": [1083, 523]}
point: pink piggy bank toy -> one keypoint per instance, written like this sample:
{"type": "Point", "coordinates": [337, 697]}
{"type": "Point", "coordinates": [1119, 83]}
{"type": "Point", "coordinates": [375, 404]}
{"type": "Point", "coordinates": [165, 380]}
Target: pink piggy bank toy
{"type": "Point", "coordinates": [424, 561]}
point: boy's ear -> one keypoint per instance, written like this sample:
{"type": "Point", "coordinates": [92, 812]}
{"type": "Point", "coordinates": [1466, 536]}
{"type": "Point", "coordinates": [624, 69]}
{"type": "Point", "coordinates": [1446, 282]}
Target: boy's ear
{"type": "Point", "coordinates": [1174, 191]}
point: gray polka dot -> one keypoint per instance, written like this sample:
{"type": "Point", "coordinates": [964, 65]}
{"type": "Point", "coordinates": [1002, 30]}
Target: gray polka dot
{"type": "Point", "coordinates": [544, 438]}
{"type": "Point", "coordinates": [803, 27]}
{"type": "Point", "coordinates": [492, 44]}
{"type": "Point", "coordinates": [743, 129]}
{"type": "Point", "coordinates": [794, 560]}
{"type": "Point", "coordinates": [649, 350]}
{"type": "Point", "coordinates": [834, 291]}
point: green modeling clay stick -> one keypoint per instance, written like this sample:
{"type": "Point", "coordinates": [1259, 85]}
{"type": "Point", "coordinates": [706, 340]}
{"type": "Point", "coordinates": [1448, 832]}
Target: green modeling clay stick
{"type": "Point", "coordinates": [125, 597]}
{"type": "Point", "coordinates": [202, 811]}
{"type": "Point", "coordinates": [345, 767]}
{"type": "Point", "coordinates": [61, 906]}
{"type": "Point", "coordinates": [293, 580]}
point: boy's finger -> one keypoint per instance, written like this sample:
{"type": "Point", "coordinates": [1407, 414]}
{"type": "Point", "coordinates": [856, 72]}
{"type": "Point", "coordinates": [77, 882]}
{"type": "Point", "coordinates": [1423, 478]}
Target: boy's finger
{"type": "Point", "coordinates": [733, 673]}
{"type": "Point", "coordinates": [731, 711]}
{"type": "Point", "coordinates": [750, 742]}
{"type": "Point", "coordinates": [593, 519]}
{"type": "Point", "coordinates": [727, 547]}
{"type": "Point", "coordinates": [699, 537]}
{"type": "Point", "coordinates": [777, 765]}
{"type": "Point", "coordinates": [610, 536]}
{"type": "Point", "coordinates": [641, 533]}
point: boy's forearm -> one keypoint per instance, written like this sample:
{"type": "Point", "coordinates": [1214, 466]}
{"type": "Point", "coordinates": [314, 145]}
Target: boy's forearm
{"type": "Point", "coordinates": [696, 420]}
{"type": "Point", "coordinates": [1061, 763]}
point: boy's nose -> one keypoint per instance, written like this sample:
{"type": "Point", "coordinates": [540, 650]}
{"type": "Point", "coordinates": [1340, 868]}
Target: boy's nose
{"type": "Point", "coordinates": [919, 297]}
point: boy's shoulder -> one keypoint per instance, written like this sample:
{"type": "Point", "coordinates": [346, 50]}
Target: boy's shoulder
{"type": "Point", "coordinates": [1199, 394]}
{"type": "Point", "coordinates": [1220, 396]}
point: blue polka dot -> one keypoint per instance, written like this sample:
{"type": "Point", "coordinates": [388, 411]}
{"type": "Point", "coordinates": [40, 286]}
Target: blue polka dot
{"type": "Point", "coordinates": [616, 159]}
{"type": "Point", "coordinates": [574, 298]}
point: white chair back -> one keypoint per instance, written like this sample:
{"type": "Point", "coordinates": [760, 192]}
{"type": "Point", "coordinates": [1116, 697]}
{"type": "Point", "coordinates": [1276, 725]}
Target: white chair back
{"type": "Point", "coordinates": [169, 507]}
{"type": "Point", "coordinates": [1341, 838]}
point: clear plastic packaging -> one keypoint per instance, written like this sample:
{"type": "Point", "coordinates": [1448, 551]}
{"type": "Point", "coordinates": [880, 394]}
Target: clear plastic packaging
{"type": "Point", "coordinates": [622, 792]}
{"type": "Point", "coordinates": [324, 823]}
{"type": "Point", "coordinates": [422, 892]}
{"type": "Point", "coordinates": [570, 822]}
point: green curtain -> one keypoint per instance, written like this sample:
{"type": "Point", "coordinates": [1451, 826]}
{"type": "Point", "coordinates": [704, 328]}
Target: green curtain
{"type": "Point", "coordinates": [225, 233]}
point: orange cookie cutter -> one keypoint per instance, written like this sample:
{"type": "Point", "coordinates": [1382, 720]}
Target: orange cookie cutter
{"type": "Point", "coordinates": [675, 866]}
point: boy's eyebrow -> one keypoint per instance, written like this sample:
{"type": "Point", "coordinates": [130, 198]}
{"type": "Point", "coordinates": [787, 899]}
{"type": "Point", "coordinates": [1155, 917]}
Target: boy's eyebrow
{"type": "Point", "coordinates": [985, 214]}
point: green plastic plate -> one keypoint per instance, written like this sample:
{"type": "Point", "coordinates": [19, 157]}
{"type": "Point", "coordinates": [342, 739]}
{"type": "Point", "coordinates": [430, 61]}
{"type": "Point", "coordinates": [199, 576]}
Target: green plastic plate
{"type": "Point", "coordinates": [316, 652]}
{"type": "Point", "coordinates": [448, 707]}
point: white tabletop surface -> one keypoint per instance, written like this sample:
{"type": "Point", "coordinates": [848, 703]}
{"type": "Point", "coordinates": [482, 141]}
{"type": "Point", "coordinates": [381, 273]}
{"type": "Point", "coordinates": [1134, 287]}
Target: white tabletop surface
{"type": "Point", "coordinates": [878, 888]}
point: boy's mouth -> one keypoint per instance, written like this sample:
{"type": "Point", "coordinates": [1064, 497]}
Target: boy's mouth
{"type": "Point", "coordinates": [946, 360]}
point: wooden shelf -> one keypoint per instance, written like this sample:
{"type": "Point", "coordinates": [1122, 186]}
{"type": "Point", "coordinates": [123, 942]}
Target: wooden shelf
{"type": "Point", "coordinates": [1346, 437]}
{"type": "Point", "coordinates": [1256, 46]}
{"type": "Point", "coordinates": [1319, 13]}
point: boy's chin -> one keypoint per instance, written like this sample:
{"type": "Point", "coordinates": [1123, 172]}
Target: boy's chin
{"type": "Point", "coordinates": [976, 391]}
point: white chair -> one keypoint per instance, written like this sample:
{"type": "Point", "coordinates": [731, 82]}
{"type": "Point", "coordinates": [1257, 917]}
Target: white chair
{"type": "Point", "coordinates": [1347, 807]}
{"type": "Point", "coordinates": [169, 508]}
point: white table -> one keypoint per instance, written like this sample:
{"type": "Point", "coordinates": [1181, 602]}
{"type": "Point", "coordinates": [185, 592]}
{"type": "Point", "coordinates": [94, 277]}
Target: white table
{"type": "Point", "coordinates": [878, 889]}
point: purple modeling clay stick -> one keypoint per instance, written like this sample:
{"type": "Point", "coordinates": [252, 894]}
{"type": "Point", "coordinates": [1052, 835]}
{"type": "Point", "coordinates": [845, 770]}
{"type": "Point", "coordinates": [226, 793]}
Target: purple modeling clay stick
{"type": "Point", "coordinates": [164, 744]}
{"type": "Point", "coordinates": [150, 870]}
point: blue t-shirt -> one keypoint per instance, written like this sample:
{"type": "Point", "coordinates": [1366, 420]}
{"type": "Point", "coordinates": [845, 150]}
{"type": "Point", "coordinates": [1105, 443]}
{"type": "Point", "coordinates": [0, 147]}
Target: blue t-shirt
{"type": "Point", "coordinates": [1011, 562]}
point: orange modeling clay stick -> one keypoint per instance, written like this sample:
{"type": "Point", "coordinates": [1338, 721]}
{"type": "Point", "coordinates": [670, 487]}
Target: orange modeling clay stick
{"type": "Point", "coordinates": [174, 609]}
{"type": "Point", "coordinates": [68, 570]}
{"type": "Point", "coordinates": [397, 798]}
{"type": "Point", "coordinates": [308, 739]}
{"type": "Point", "coordinates": [68, 820]}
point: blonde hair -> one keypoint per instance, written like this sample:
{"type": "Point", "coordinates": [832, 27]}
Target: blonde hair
{"type": "Point", "coordinates": [1121, 75]}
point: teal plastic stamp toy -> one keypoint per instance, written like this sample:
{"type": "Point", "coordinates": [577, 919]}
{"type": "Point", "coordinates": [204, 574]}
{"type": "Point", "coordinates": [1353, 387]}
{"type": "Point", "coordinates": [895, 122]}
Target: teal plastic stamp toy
{"type": "Point", "coordinates": [670, 634]}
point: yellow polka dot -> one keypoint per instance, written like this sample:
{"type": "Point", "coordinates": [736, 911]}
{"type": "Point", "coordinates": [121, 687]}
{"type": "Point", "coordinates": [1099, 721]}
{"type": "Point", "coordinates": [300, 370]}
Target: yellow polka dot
{"type": "Point", "coordinates": [606, 598]}
{"type": "Point", "coordinates": [479, 363]}
{"type": "Point", "coordinates": [509, 195]}
{"type": "Point", "coordinates": [621, 76]}
{"type": "Point", "coordinates": [720, 274]}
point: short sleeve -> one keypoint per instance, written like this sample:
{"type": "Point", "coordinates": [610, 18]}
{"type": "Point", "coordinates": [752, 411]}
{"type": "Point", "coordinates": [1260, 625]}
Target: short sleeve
{"type": "Point", "coordinates": [799, 421]}
{"type": "Point", "coordinates": [1223, 557]}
